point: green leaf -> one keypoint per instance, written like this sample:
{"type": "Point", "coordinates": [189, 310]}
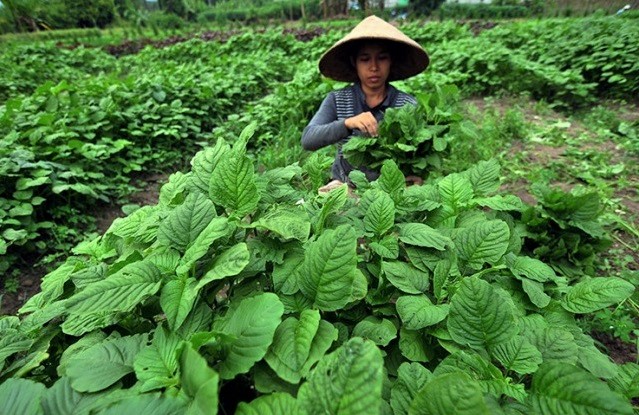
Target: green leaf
{"type": "Point", "coordinates": [418, 312]}
{"type": "Point", "coordinates": [380, 215]}
{"type": "Point", "coordinates": [148, 404]}
{"type": "Point", "coordinates": [233, 185]}
{"type": "Point", "coordinates": [199, 382]}
{"type": "Point", "coordinates": [273, 404]}
{"type": "Point", "coordinates": [405, 277]}
{"type": "Point", "coordinates": [555, 344]}
{"type": "Point", "coordinates": [455, 191]}
{"type": "Point", "coordinates": [452, 393]}
{"type": "Point", "coordinates": [121, 291]}
{"type": "Point", "coordinates": [391, 180]}
{"type": "Point", "coordinates": [251, 327]}
{"type": "Point", "coordinates": [484, 177]}
{"type": "Point", "coordinates": [292, 345]}
{"type": "Point", "coordinates": [596, 293]}
{"type": "Point", "coordinates": [387, 247]}
{"type": "Point", "coordinates": [21, 397]}
{"type": "Point", "coordinates": [518, 354]}
{"type": "Point", "coordinates": [177, 299]}
{"type": "Point", "coordinates": [535, 292]}
{"type": "Point", "coordinates": [419, 234]}
{"type": "Point", "coordinates": [333, 202]}
{"type": "Point", "coordinates": [560, 388]}
{"type": "Point", "coordinates": [502, 203]}
{"type": "Point", "coordinates": [411, 377]}
{"type": "Point", "coordinates": [347, 381]}
{"type": "Point", "coordinates": [286, 223]}
{"type": "Point", "coordinates": [103, 364]}
{"type": "Point", "coordinates": [483, 242]}
{"type": "Point", "coordinates": [186, 222]}
{"type": "Point", "coordinates": [205, 162]}
{"type": "Point", "coordinates": [227, 264]}
{"type": "Point", "coordinates": [534, 269]}
{"type": "Point", "coordinates": [329, 269]}
{"type": "Point", "coordinates": [156, 365]}
{"type": "Point", "coordinates": [379, 331]}
{"type": "Point", "coordinates": [62, 399]}
{"type": "Point", "coordinates": [626, 381]}
{"type": "Point", "coordinates": [412, 345]}
{"type": "Point", "coordinates": [479, 317]}
{"type": "Point", "coordinates": [216, 229]}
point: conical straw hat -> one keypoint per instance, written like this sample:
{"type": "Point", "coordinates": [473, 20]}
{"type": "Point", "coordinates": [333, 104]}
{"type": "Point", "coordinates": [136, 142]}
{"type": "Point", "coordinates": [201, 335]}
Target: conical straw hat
{"type": "Point", "coordinates": [409, 58]}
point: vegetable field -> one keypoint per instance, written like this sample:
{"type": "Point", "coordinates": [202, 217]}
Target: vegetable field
{"type": "Point", "coordinates": [505, 284]}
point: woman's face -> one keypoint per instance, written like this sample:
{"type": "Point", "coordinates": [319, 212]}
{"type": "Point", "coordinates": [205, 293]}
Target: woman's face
{"type": "Point", "coordinates": [373, 62]}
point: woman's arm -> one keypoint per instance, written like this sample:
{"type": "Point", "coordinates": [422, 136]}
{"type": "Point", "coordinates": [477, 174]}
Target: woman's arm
{"type": "Point", "coordinates": [324, 129]}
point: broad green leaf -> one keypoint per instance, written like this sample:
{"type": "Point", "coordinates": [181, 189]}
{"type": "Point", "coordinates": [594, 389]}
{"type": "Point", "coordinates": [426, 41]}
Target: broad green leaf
{"type": "Point", "coordinates": [199, 382]}
{"type": "Point", "coordinates": [324, 338]}
{"type": "Point", "coordinates": [418, 312]}
{"type": "Point", "coordinates": [391, 180]}
{"type": "Point", "coordinates": [484, 242]}
{"type": "Point", "coordinates": [79, 324]}
{"type": "Point", "coordinates": [51, 288]}
{"type": "Point", "coordinates": [121, 291]}
{"type": "Point", "coordinates": [333, 202]}
{"type": "Point", "coordinates": [273, 404]}
{"type": "Point", "coordinates": [149, 404]}
{"type": "Point", "coordinates": [233, 185]}
{"type": "Point", "coordinates": [62, 399]}
{"type": "Point", "coordinates": [452, 393]}
{"type": "Point", "coordinates": [205, 162]}
{"type": "Point", "coordinates": [626, 381]}
{"type": "Point", "coordinates": [186, 221]}
{"type": "Point", "coordinates": [347, 381]}
{"type": "Point", "coordinates": [484, 177]}
{"type": "Point", "coordinates": [518, 354]}
{"type": "Point", "coordinates": [596, 293]}
{"type": "Point", "coordinates": [380, 215]}
{"type": "Point", "coordinates": [252, 326]}
{"type": "Point", "coordinates": [379, 331]}
{"type": "Point", "coordinates": [413, 345]}
{"type": "Point", "coordinates": [555, 344]}
{"type": "Point", "coordinates": [405, 277]}
{"type": "Point", "coordinates": [286, 223]}
{"type": "Point", "coordinates": [443, 269]}
{"type": "Point", "coordinates": [505, 203]}
{"type": "Point", "coordinates": [177, 299]}
{"type": "Point", "coordinates": [534, 269]}
{"type": "Point", "coordinates": [229, 263]}
{"type": "Point", "coordinates": [286, 275]}
{"type": "Point", "coordinates": [455, 191]}
{"type": "Point", "coordinates": [535, 292]}
{"type": "Point", "coordinates": [387, 247]}
{"type": "Point", "coordinates": [560, 388]}
{"type": "Point", "coordinates": [216, 229]}
{"type": "Point", "coordinates": [21, 397]}
{"type": "Point", "coordinates": [156, 365]}
{"type": "Point", "coordinates": [292, 344]}
{"type": "Point", "coordinates": [479, 318]}
{"type": "Point", "coordinates": [12, 341]}
{"type": "Point", "coordinates": [592, 359]}
{"type": "Point", "coordinates": [329, 269]}
{"type": "Point", "coordinates": [103, 364]}
{"type": "Point", "coordinates": [171, 192]}
{"type": "Point", "coordinates": [411, 377]}
{"type": "Point", "coordinates": [419, 234]}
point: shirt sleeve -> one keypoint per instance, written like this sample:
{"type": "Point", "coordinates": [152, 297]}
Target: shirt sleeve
{"type": "Point", "coordinates": [324, 128]}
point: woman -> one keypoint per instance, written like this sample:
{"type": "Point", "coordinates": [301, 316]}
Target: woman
{"type": "Point", "coordinates": [371, 55]}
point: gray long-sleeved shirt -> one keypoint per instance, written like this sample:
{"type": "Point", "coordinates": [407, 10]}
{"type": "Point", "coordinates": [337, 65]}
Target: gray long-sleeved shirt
{"type": "Point", "coordinates": [327, 125]}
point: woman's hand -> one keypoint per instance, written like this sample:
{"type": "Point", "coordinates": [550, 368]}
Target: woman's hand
{"type": "Point", "coordinates": [365, 122]}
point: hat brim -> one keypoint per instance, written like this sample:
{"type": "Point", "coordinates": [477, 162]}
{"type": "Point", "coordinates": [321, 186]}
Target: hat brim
{"type": "Point", "coordinates": [409, 58]}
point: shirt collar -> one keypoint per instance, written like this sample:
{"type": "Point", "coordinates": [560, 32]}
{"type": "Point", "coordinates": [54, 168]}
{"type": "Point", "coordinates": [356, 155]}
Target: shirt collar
{"type": "Point", "coordinates": [391, 92]}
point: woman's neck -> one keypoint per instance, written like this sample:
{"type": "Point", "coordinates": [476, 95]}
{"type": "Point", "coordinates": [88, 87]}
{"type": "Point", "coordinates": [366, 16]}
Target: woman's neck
{"type": "Point", "coordinates": [374, 97]}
